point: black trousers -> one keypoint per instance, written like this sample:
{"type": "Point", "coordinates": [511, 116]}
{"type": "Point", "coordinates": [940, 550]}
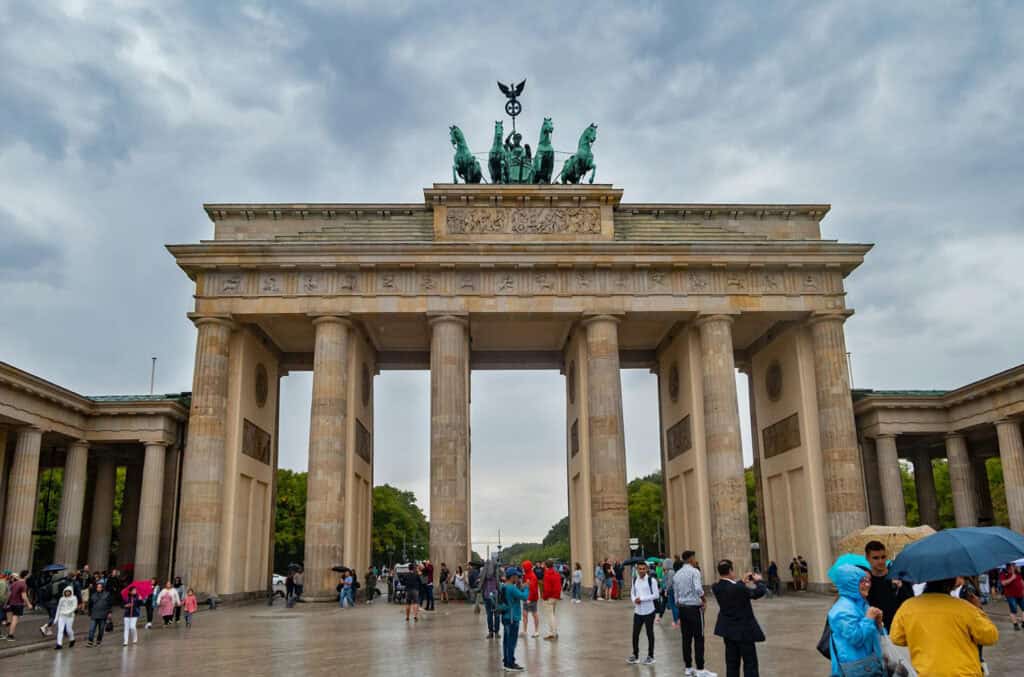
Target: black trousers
{"type": "Point", "coordinates": [647, 621]}
{"type": "Point", "coordinates": [691, 622]}
{"type": "Point", "coordinates": [737, 652]}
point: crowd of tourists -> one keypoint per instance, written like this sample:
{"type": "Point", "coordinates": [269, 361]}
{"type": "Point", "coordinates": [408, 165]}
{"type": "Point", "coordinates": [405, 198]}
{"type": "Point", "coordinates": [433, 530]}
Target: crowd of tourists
{"type": "Point", "coordinates": [98, 596]}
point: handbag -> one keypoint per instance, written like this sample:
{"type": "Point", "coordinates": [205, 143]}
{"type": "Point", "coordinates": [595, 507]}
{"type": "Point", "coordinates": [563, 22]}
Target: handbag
{"type": "Point", "coordinates": [824, 646]}
{"type": "Point", "coordinates": [110, 625]}
{"type": "Point", "coordinates": [869, 666]}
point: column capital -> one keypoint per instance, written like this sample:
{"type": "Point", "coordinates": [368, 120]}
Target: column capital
{"type": "Point", "coordinates": [705, 318]}
{"type": "Point", "coordinates": [155, 443]}
{"type": "Point", "coordinates": [829, 316]}
{"type": "Point", "coordinates": [1006, 421]}
{"type": "Point", "coordinates": [591, 318]}
{"type": "Point", "coordinates": [332, 318]}
{"type": "Point", "coordinates": [30, 428]}
{"type": "Point", "coordinates": [883, 436]}
{"type": "Point", "coordinates": [80, 443]}
{"type": "Point", "coordinates": [199, 319]}
{"type": "Point", "coordinates": [459, 318]}
{"type": "Point", "coordinates": [954, 435]}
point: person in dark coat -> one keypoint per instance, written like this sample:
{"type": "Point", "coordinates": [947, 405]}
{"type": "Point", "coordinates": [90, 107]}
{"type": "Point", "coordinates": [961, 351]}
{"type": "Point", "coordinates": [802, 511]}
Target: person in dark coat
{"type": "Point", "coordinates": [736, 623]}
{"type": "Point", "coordinates": [100, 606]}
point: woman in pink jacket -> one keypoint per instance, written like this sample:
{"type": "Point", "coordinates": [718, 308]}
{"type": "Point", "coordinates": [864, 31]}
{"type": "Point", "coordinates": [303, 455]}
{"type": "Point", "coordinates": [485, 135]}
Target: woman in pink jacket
{"type": "Point", "coordinates": [167, 600]}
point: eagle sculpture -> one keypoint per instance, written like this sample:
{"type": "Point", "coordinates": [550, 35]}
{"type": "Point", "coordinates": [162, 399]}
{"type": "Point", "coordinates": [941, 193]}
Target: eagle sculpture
{"type": "Point", "coordinates": [510, 91]}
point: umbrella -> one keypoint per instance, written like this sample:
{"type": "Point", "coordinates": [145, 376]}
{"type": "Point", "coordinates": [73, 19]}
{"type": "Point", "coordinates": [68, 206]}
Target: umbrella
{"type": "Point", "coordinates": [894, 538]}
{"type": "Point", "coordinates": [340, 568]}
{"type": "Point", "coordinates": [633, 561]}
{"type": "Point", "coordinates": [849, 558]}
{"type": "Point", "coordinates": [958, 552]}
{"type": "Point", "coordinates": [54, 567]}
{"type": "Point", "coordinates": [145, 589]}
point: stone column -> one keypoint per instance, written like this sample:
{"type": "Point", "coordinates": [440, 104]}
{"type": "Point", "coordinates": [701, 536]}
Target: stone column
{"type": "Point", "coordinates": [19, 518]}
{"type": "Point", "coordinates": [72, 505]}
{"type": "Point", "coordinates": [891, 481]}
{"type": "Point", "coordinates": [130, 498]}
{"type": "Point", "coordinates": [983, 492]}
{"type": "Point", "coordinates": [845, 499]}
{"type": "Point", "coordinates": [1011, 452]}
{"type": "Point", "coordinates": [961, 479]}
{"type": "Point", "coordinates": [730, 528]}
{"type": "Point", "coordinates": [924, 483]}
{"type": "Point", "coordinates": [202, 479]}
{"type": "Point", "coordinates": [147, 542]}
{"type": "Point", "coordinates": [102, 514]}
{"type": "Point", "coordinates": [325, 486]}
{"type": "Point", "coordinates": [449, 440]}
{"type": "Point", "coordinates": [872, 485]}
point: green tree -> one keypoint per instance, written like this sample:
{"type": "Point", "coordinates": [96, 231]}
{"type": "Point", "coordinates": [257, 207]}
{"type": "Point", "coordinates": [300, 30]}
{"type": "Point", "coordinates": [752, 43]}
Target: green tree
{"type": "Point", "coordinates": [289, 519]}
{"type": "Point", "coordinates": [399, 526]}
{"type": "Point", "coordinates": [755, 526]}
{"type": "Point", "coordinates": [646, 513]}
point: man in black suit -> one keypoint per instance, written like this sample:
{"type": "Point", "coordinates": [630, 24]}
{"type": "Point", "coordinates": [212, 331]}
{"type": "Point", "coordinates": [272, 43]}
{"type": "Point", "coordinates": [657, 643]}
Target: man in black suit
{"type": "Point", "coordinates": [736, 623]}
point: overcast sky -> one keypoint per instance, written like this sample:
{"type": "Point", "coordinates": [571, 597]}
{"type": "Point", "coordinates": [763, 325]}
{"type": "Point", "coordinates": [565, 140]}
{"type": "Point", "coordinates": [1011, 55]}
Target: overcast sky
{"type": "Point", "coordinates": [118, 120]}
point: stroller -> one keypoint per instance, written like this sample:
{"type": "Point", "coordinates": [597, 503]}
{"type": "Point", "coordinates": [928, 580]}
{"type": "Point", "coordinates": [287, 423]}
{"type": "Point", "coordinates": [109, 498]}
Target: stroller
{"type": "Point", "coordinates": [398, 594]}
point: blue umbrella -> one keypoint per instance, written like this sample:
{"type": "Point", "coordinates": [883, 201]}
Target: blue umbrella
{"type": "Point", "coordinates": [54, 567]}
{"type": "Point", "coordinates": [958, 552]}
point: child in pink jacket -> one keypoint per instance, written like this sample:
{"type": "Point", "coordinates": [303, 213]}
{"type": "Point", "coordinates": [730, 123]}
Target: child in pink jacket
{"type": "Point", "coordinates": [189, 605]}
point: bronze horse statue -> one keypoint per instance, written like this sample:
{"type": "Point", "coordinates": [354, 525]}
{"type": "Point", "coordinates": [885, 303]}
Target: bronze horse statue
{"type": "Point", "coordinates": [582, 161]}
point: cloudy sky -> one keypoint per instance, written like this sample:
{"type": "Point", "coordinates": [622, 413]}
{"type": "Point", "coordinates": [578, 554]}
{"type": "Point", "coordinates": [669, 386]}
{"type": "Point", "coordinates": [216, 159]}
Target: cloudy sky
{"type": "Point", "coordinates": [118, 120]}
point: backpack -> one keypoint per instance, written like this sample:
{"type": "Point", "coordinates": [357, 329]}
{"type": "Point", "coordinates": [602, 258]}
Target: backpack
{"type": "Point", "coordinates": [501, 601]}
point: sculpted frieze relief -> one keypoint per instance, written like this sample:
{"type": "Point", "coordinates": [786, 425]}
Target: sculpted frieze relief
{"type": "Point", "coordinates": [526, 281]}
{"type": "Point", "coordinates": [523, 221]}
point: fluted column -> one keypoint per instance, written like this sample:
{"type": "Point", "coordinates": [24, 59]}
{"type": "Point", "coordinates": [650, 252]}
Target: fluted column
{"type": "Point", "coordinates": [983, 492]}
{"type": "Point", "coordinates": [1011, 452]}
{"type": "Point", "coordinates": [129, 532]}
{"type": "Point", "coordinates": [72, 505]}
{"type": "Point", "coordinates": [730, 528]}
{"type": "Point", "coordinates": [21, 500]}
{"type": "Point", "coordinates": [924, 483]}
{"type": "Point", "coordinates": [147, 542]}
{"type": "Point", "coordinates": [891, 481]}
{"type": "Point", "coordinates": [961, 480]}
{"type": "Point", "coordinates": [449, 440]}
{"type": "Point", "coordinates": [325, 486]}
{"type": "Point", "coordinates": [102, 514]}
{"type": "Point", "coordinates": [202, 480]}
{"type": "Point", "coordinates": [609, 500]}
{"type": "Point", "coordinates": [872, 486]}
{"type": "Point", "coordinates": [845, 499]}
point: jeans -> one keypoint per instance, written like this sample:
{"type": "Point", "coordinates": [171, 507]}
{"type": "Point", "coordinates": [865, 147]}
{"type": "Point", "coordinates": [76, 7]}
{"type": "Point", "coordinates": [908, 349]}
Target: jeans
{"type": "Point", "coordinates": [736, 652]}
{"type": "Point", "coordinates": [646, 621]}
{"type": "Point", "coordinates": [671, 600]}
{"type": "Point", "coordinates": [429, 601]}
{"type": "Point", "coordinates": [692, 620]}
{"type": "Point", "coordinates": [493, 617]}
{"type": "Point", "coordinates": [130, 628]}
{"type": "Point", "coordinates": [96, 628]}
{"type": "Point", "coordinates": [598, 585]}
{"type": "Point", "coordinates": [508, 642]}
{"type": "Point", "coordinates": [576, 591]}
{"type": "Point", "coordinates": [188, 619]}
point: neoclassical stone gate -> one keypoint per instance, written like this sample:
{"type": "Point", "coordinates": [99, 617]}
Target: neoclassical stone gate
{"type": "Point", "coordinates": [520, 277]}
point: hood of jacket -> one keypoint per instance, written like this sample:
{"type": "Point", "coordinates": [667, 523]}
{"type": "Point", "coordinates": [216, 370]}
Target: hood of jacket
{"type": "Point", "coordinates": [847, 579]}
{"type": "Point", "coordinates": [490, 569]}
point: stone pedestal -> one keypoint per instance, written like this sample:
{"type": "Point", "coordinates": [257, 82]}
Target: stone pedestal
{"type": "Point", "coordinates": [924, 483]}
{"type": "Point", "coordinates": [203, 473]}
{"type": "Point", "coordinates": [449, 441]}
{"type": "Point", "coordinates": [844, 492]}
{"type": "Point", "coordinates": [730, 528]}
{"type": "Point", "coordinates": [890, 480]}
{"type": "Point", "coordinates": [21, 501]}
{"type": "Point", "coordinates": [609, 502]}
{"type": "Point", "coordinates": [1011, 452]}
{"type": "Point", "coordinates": [147, 542]}
{"type": "Point", "coordinates": [72, 505]}
{"type": "Point", "coordinates": [872, 485]}
{"type": "Point", "coordinates": [961, 479]}
{"type": "Point", "coordinates": [325, 501]}
{"type": "Point", "coordinates": [102, 515]}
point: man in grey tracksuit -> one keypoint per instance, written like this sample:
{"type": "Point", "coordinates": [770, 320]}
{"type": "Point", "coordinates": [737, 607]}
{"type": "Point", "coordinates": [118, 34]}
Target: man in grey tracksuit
{"type": "Point", "coordinates": [689, 591]}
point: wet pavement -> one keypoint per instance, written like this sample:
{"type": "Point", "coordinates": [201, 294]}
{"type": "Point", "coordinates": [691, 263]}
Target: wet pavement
{"type": "Point", "coordinates": [320, 639]}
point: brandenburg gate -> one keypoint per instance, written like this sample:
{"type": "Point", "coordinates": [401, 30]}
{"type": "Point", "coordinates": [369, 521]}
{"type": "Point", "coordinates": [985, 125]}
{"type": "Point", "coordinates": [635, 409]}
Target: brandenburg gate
{"type": "Point", "coordinates": [486, 276]}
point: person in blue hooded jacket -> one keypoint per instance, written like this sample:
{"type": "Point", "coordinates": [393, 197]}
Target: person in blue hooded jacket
{"type": "Point", "coordinates": [856, 626]}
{"type": "Point", "coordinates": [509, 603]}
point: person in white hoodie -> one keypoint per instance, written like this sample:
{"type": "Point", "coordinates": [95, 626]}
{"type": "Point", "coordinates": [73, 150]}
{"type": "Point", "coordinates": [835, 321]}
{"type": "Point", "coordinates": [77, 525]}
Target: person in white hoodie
{"type": "Point", "coordinates": [66, 617]}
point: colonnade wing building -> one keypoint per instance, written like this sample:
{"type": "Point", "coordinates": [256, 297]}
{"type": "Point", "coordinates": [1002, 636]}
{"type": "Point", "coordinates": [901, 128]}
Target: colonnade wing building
{"type": "Point", "coordinates": [513, 277]}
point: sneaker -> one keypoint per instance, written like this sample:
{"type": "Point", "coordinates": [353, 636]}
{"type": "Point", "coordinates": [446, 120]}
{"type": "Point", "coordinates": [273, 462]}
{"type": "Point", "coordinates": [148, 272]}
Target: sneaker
{"type": "Point", "coordinates": [632, 660]}
{"type": "Point", "coordinates": [58, 647]}
{"type": "Point", "coordinates": [535, 635]}
{"type": "Point", "coordinates": [42, 630]}
{"type": "Point", "coordinates": [89, 643]}
{"type": "Point", "coordinates": [548, 638]}
{"type": "Point", "coordinates": [689, 672]}
{"type": "Point", "coordinates": [149, 625]}
{"type": "Point", "coordinates": [508, 668]}
{"type": "Point", "coordinates": [10, 638]}
{"type": "Point", "coordinates": [516, 667]}
{"type": "Point", "coordinates": [648, 661]}
{"type": "Point", "coordinates": [125, 644]}
{"type": "Point", "coordinates": [1016, 626]}
{"type": "Point", "coordinates": [71, 644]}
{"type": "Point", "coordinates": [706, 673]}
{"type": "Point", "coordinates": [675, 625]}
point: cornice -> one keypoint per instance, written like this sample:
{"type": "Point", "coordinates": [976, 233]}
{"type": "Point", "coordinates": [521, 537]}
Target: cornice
{"type": "Point", "coordinates": [982, 388]}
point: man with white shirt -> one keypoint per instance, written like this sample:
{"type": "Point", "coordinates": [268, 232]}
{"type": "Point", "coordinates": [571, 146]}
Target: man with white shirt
{"type": "Point", "coordinates": [689, 591]}
{"type": "Point", "coordinates": [643, 594]}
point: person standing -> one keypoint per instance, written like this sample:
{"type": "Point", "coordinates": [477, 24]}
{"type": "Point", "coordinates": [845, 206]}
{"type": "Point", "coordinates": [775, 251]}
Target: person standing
{"type": "Point", "coordinates": [151, 601]}
{"type": "Point", "coordinates": [773, 578]}
{"type": "Point", "coordinates": [509, 600]}
{"type": "Point", "coordinates": [190, 604]}
{"type": "Point", "coordinates": [411, 582]}
{"type": "Point", "coordinates": [643, 593]}
{"type": "Point", "coordinates": [17, 601]}
{"type": "Point", "coordinates": [298, 580]}
{"type": "Point", "coordinates": [66, 608]}
{"type": "Point", "coordinates": [530, 607]}
{"type": "Point", "coordinates": [598, 581]}
{"type": "Point", "coordinates": [427, 588]}
{"type": "Point", "coordinates": [804, 570]}
{"type": "Point", "coordinates": [856, 626]}
{"type": "Point", "coordinates": [179, 588]}
{"type": "Point", "coordinates": [552, 593]}
{"type": "Point", "coordinates": [132, 610]}
{"type": "Point", "coordinates": [445, 575]}
{"type": "Point", "coordinates": [736, 623]}
{"type": "Point", "coordinates": [886, 593]}
{"type": "Point", "coordinates": [689, 589]}
{"type": "Point", "coordinates": [166, 601]}
{"type": "Point", "coordinates": [371, 585]}
{"type": "Point", "coordinates": [100, 605]}
{"type": "Point", "coordinates": [489, 588]}
{"type": "Point", "coordinates": [1013, 591]}
{"type": "Point", "coordinates": [794, 572]}
{"type": "Point", "coordinates": [577, 583]}
{"type": "Point", "coordinates": [289, 589]}
{"type": "Point", "coordinates": [943, 634]}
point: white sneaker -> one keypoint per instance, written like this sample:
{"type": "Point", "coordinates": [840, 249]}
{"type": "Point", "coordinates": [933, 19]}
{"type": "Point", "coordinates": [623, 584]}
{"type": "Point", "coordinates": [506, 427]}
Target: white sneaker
{"type": "Point", "coordinates": [149, 625]}
{"type": "Point", "coordinates": [689, 672]}
{"type": "Point", "coordinates": [706, 673]}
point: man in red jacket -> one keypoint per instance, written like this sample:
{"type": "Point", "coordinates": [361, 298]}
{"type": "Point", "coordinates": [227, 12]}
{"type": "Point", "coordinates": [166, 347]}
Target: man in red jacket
{"type": "Point", "coordinates": [551, 593]}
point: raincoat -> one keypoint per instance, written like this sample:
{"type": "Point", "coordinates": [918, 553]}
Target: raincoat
{"type": "Point", "coordinates": [854, 635]}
